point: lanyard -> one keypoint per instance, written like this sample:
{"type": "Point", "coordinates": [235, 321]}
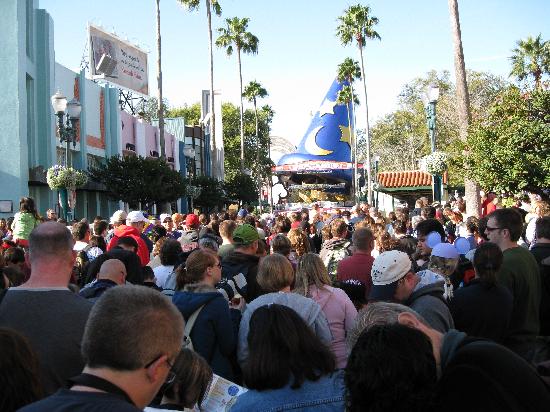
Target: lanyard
{"type": "Point", "coordinates": [92, 381]}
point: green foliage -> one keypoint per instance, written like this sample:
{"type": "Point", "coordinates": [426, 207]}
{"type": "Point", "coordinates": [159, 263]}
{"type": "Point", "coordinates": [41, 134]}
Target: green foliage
{"type": "Point", "coordinates": [193, 5]}
{"type": "Point", "coordinates": [62, 177]}
{"type": "Point", "coordinates": [253, 91]}
{"type": "Point", "coordinates": [510, 150]}
{"type": "Point", "coordinates": [232, 145]}
{"type": "Point", "coordinates": [211, 194]}
{"type": "Point", "coordinates": [241, 188]}
{"type": "Point", "coordinates": [401, 138]}
{"type": "Point", "coordinates": [235, 34]}
{"type": "Point", "coordinates": [135, 179]}
{"type": "Point", "coordinates": [348, 70]}
{"type": "Point", "coordinates": [191, 114]}
{"type": "Point", "coordinates": [149, 109]}
{"type": "Point", "coordinates": [357, 24]}
{"type": "Point", "coordinates": [346, 95]}
{"type": "Point", "coordinates": [531, 58]}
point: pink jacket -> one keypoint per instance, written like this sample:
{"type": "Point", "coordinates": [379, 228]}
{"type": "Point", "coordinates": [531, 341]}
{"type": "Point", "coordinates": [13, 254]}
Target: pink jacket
{"type": "Point", "coordinates": [340, 314]}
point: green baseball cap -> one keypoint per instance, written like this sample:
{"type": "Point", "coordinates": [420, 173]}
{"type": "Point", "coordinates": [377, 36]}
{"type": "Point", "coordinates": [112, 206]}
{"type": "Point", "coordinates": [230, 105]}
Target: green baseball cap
{"type": "Point", "coordinates": [245, 235]}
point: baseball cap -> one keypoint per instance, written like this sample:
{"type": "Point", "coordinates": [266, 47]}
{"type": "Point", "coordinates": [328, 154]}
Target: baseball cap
{"type": "Point", "coordinates": [245, 235]}
{"type": "Point", "coordinates": [192, 220]}
{"type": "Point", "coordinates": [388, 268]}
{"type": "Point", "coordinates": [118, 216]}
{"type": "Point", "coordinates": [136, 216]}
{"type": "Point", "coordinates": [242, 213]}
{"type": "Point", "coordinates": [164, 216]}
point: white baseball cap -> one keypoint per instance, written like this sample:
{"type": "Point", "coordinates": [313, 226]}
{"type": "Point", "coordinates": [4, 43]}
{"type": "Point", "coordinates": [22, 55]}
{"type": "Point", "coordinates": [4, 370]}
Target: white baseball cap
{"type": "Point", "coordinates": [136, 216]}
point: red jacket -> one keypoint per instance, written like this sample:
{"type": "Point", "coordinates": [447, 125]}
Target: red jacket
{"type": "Point", "coordinates": [131, 231]}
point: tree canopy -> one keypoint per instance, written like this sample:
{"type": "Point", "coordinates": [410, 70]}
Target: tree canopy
{"type": "Point", "coordinates": [531, 58]}
{"type": "Point", "coordinates": [134, 179]}
{"type": "Point", "coordinates": [510, 149]}
{"type": "Point", "coordinates": [191, 114]}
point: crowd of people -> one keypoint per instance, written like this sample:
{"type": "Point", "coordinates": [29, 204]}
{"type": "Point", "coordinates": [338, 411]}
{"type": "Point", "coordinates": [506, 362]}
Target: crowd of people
{"type": "Point", "coordinates": [341, 309]}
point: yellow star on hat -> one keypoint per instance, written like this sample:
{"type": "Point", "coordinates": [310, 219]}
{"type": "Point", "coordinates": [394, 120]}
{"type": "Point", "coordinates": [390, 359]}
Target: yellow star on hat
{"type": "Point", "coordinates": [346, 134]}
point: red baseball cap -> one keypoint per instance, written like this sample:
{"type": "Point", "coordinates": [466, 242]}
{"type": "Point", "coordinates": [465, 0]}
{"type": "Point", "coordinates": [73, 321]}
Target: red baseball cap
{"type": "Point", "coordinates": [192, 220]}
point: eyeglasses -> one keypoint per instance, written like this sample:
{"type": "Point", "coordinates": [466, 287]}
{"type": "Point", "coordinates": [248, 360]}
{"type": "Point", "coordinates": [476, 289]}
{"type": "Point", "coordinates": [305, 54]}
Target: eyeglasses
{"type": "Point", "coordinates": [490, 229]}
{"type": "Point", "coordinates": [171, 377]}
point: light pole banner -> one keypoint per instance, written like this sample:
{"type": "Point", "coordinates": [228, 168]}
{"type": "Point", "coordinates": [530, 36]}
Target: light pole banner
{"type": "Point", "coordinates": [118, 61]}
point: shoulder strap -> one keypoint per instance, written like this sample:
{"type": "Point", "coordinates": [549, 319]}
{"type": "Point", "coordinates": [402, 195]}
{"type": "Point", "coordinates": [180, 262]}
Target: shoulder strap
{"type": "Point", "coordinates": [189, 327]}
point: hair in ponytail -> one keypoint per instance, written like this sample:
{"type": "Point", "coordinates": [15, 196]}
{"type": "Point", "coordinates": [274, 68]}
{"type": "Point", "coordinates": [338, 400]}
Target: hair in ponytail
{"type": "Point", "coordinates": [194, 268]}
{"type": "Point", "coordinates": [487, 262]}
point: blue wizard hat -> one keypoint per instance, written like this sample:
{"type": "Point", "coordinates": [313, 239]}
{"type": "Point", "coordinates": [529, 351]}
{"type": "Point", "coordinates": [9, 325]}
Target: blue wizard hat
{"type": "Point", "coordinates": [325, 149]}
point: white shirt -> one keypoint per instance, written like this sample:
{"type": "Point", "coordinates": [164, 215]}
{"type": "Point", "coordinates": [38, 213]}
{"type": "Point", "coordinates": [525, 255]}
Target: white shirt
{"type": "Point", "coordinates": [79, 245]}
{"type": "Point", "coordinates": [162, 273]}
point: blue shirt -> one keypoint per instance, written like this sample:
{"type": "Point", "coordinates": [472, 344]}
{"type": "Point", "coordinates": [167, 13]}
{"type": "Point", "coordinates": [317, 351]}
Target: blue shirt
{"type": "Point", "coordinates": [323, 395]}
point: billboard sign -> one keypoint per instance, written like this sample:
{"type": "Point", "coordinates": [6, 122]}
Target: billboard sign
{"type": "Point", "coordinates": [117, 61]}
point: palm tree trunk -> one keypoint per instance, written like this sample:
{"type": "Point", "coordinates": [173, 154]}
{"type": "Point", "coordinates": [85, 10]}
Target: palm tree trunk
{"type": "Point", "coordinates": [354, 137]}
{"type": "Point", "coordinates": [353, 154]}
{"type": "Point", "coordinates": [258, 159]}
{"type": "Point", "coordinates": [367, 132]}
{"type": "Point", "coordinates": [159, 85]}
{"type": "Point", "coordinates": [214, 158]}
{"type": "Point", "coordinates": [241, 108]}
{"type": "Point", "coordinates": [463, 103]}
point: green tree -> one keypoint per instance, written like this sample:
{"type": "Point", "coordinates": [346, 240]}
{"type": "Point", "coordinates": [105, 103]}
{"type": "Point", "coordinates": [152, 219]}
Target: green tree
{"type": "Point", "coordinates": [531, 58]}
{"type": "Point", "coordinates": [150, 109]}
{"type": "Point", "coordinates": [235, 34]}
{"type": "Point", "coordinates": [357, 25]}
{"type": "Point", "coordinates": [191, 114]}
{"type": "Point", "coordinates": [210, 5]}
{"type": "Point", "coordinates": [211, 195]}
{"type": "Point", "coordinates": [134, 179]}
{"type": "Point", "coordinates": [231, 140]}
{"type": "Point", "coordinates": [252, 92]}
{"type": "Point", "coordinates": [240, 189]}
{"type": "Point", "coordinates": [510, 150]}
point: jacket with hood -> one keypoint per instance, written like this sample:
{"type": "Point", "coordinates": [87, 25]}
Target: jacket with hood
{"type": "Point", "coordinates": [340, 313]}
{"type": "Point", "coordinates": [481, 375]}
{"type": "Point", "coordinates": [189, 240]}
{"type": "Point", "coordinates": [332, 252]}
{"type": "Point", "coordinates": [214, 334]}
{"type": "Point", "coordinates": [239, 272]}
{"type": "Point", "coordinates": [307, 308]}
{"type": "Point", "coordinates": [132, 232]}
{"type": "Point", "coordinates": [427, 299]}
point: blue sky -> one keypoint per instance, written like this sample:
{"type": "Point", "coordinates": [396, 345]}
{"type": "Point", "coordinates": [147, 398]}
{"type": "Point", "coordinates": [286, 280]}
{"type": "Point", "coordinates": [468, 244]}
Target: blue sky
{"type": "Point", "coordinates": [298, 52]}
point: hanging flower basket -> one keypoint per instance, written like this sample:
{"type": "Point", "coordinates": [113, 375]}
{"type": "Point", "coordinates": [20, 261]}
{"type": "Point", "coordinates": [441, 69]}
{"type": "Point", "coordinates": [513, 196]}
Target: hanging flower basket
{"type": "Point", "coordinates": [193, 191]}
{"type": "Point", "coordinates": [62, 177]}
{"type": "Point", "coordinates": [435, 163]}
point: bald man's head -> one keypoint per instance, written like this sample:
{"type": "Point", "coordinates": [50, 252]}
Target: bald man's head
{"type": "Point", "coordinates": [50, 240]}
{"type": "Point", "coordinates": [113, 269]}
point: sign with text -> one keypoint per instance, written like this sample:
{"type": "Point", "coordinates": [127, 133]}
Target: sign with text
{"type": "Point", "coordinates": [317, 166]}
{"type": "Point", "coordinates": [118, 61]}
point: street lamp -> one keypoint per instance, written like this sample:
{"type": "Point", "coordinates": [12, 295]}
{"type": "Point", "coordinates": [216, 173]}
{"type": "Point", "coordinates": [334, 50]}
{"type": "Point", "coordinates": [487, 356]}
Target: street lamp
{"type": "Point", "coordinates": [67, 130]}
{"type": "Point", "coordinates": [430, 101]}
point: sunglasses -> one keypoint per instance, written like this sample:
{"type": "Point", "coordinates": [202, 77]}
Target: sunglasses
{"type": "Point", "coordinates": [490, 229]}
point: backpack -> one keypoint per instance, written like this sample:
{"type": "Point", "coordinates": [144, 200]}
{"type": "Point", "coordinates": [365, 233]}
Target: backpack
{"type": "Point", "coordinates": [187, 342]}
{"type": "Point", "coordinates": [334, 256]}
{"type": "Point", "coordinates": [81, 264]}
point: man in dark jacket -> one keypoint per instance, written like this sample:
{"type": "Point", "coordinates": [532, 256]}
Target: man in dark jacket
{"type": "Point", "coordinates": [474, 374]}
{"type": "Point", "coordinates": [111, 273]}
{"type": "Point", "coordinates": [393, 280]}
{"type": "Point", "coordinates": [240, 268]}
{"type": "Point", "coordinates": [541, 251]}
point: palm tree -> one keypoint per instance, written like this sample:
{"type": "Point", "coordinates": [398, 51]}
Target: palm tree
{"type": "Point", "coordinates": [531, 58]}
{"type": "Point", "coordinates": [349, 71]}
{"type": "Point", "coordinates": [357, 24]}
{"type": "Point", "coordinates": [159, 84]}
{"type": "Point", "coordinates": [463, 102]}
{"type": "Point", "coordinates": [349, 98]}
{"type": "Point", "coordinates": [253, 91]}
{"type": "Point", "coordinates": [215, 6]}
{"type": "Point", "coordinates": [235, 34]}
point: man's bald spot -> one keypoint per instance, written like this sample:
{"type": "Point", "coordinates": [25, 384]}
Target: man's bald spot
{"type": "Point", "coordinates": [111, 269]}
{"type": "Point", "coordinates": [50, 240]}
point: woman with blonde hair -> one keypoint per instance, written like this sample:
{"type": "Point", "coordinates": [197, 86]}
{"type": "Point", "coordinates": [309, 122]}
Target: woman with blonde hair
{"type": "Point", "coordinates": [299, 243]}
{"type": "Point", "coordinates": [313, 281]}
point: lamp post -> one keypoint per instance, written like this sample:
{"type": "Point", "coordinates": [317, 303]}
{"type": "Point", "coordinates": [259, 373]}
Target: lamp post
{"type": "Point", "coordinates": [430, 101]}
{"type": "Point", "coordinates": [67, 130]}
{"type": "Point", "coordinates": [67, 133]}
